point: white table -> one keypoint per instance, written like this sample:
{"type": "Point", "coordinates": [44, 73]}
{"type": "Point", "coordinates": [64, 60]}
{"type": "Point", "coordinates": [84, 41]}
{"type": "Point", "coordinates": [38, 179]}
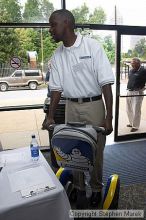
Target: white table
{"type": "Point", "coordinates": [50, 205]}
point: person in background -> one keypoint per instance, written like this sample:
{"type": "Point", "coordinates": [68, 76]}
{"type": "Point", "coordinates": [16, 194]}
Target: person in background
{"type": "Point", "coordinates": [81, 70]}
{"type": "Point", "coordinates": [135, 87]}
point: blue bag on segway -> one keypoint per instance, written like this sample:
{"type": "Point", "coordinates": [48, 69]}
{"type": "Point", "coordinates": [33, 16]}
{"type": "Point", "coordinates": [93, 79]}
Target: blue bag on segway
{"type": "Point", "coordinates": [75, 146]}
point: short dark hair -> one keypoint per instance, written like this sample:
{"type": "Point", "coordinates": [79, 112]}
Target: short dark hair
{"type": "Point", "coordinates": [67, 14]}
{"type": "Point", "coordinates": [136, 59]}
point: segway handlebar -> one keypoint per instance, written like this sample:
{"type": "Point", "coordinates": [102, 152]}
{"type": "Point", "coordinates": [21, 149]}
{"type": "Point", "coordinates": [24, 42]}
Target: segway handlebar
{"type": "Point", "coordinates": [80, 124]}
{"type": "Point", "coordinates": [99, 129]}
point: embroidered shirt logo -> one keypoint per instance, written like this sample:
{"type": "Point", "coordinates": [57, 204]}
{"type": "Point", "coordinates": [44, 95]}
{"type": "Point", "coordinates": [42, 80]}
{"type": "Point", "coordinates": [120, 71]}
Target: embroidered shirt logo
{"type": "Point", "coordinates": [84, 57]}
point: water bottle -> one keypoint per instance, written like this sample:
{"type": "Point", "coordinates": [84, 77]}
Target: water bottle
{"type": "Point", "coordinates": [34, 148]}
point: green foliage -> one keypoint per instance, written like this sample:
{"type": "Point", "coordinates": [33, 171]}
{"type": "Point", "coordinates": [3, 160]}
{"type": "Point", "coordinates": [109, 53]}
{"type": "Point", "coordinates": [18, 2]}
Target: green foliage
{"type": "Point", "coordinates": [10, 11]}
{"type": "Point", "coordinates": [82, 15]}
{"type": "Point", "coordinates": [140, 48]}
{"type": "Point", "coordinates": [37, 10]}
{"type": "Point", "coordinates": [48, 46]}
{"type": "Point", "coordinates": [98, 16]}
{"type": "Point", "coordinates": [16, 42]}
{"type": "Point", "coordinates": [46, 10]}
{"type": "Point", "coordinates": [35, 40]}
{"type": "Point", "coordinates": [32, 12]}
{"type": "Point", "coordinates": [29, 40]}
{"type": "Point", "coordinates": [109, 48]}
{"type": "Point", "coordinates": [8, 46]}
{"type": "Point", "coordinates": [138, 51]}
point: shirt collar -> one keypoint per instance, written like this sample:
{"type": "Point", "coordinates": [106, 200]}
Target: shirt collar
{"type": "Point", "coordinates": [137, 70]}
{"type": "Point", "coordinates": [76, 43]}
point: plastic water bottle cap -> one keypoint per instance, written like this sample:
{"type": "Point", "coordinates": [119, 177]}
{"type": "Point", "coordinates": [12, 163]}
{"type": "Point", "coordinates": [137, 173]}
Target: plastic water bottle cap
{"type": "Point", "coordinates": [33, 135]}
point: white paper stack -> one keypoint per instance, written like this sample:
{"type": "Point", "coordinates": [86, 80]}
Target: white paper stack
{"type": "Point", "coordinates": [31, 181]}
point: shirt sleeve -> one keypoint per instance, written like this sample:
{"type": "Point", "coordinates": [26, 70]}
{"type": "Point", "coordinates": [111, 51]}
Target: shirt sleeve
{"type": "Point", "coordinates": [102, 66]}
{"type": "Point", "coordinates": [55, 78]}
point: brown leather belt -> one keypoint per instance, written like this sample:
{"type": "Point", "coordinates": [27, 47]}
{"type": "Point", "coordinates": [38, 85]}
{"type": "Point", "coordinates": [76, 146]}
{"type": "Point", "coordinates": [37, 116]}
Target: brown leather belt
{"type": "Point", "coordinates": [89, 99]}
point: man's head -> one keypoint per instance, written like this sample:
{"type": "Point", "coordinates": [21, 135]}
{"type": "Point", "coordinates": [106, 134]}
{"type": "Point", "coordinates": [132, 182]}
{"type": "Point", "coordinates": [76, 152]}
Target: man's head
{"type": "Point", "coordinates": [61, 21]}
{"type": "Point", "coordinates": [135, 63]}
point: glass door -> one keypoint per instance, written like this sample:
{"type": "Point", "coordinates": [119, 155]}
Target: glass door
{"type": "Point", "coordinates": [130, 46]}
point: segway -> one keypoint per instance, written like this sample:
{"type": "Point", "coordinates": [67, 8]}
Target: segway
{"type": "Point", "coordinates": [74, 147]}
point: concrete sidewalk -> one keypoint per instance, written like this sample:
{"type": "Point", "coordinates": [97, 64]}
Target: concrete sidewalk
{"type": "Point", "coordinates": [16, 128]}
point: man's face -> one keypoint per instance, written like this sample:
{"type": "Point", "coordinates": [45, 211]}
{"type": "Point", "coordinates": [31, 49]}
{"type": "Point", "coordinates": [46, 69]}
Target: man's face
{"type": "Point", "coordinates": [135, 64]}
{"type": "Point", "coordinates": [57, 27]}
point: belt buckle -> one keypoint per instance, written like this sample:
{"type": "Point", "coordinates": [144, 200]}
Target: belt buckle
{"type": "Point", "coordinates": [80, 100]}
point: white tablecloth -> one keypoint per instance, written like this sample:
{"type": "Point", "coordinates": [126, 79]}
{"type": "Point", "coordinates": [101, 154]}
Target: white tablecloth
{"type": "Point", "coordinates": [50, 205]}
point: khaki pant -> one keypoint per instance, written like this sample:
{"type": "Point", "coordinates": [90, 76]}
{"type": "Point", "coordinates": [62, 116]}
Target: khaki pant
{"type": "Point", "coordinates": [133, 106]}
{"type": "Point", "coordinates": [93, 113]}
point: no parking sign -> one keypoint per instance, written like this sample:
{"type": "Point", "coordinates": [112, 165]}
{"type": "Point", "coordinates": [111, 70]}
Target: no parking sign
{"type": "Point", "coordinates": [15, 62]}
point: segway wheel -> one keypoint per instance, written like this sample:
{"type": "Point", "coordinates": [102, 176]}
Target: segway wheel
{"type": "Point", "coordinates": [66, 178]}
{"type": "Point", "coordinates": [64, 175]}
{"type": "Point", "coordinates": [111, 195]}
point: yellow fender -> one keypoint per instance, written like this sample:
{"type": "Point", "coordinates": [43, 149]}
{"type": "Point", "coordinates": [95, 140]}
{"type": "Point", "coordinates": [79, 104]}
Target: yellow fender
{"type": "Point", "coordinates": [64, 175]}
{"type": "Point", "coordinates": [59, 172]}
{"type": "Point", "coordinates": [112, 193]}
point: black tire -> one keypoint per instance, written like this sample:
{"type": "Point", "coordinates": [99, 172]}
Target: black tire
{"type": "Point", "coordinates": [33, 85]}
{"type": "Point", "coordinates": [3, 87]}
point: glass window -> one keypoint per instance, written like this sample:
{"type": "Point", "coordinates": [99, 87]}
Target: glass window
{"type": "Point", "coordinates": [24, 11]}
{"type": "Point", "coordinates": [32, 73]}
{"type": "Point", "coordinates": [108, 12]}
{"type": "Point", "coordinates": [33, 47]}
{"type": "Point", "coordinates": [18, 74]}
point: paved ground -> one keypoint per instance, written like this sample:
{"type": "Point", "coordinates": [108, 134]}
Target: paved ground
{"type": "Point", "coordinates": [16, 128]}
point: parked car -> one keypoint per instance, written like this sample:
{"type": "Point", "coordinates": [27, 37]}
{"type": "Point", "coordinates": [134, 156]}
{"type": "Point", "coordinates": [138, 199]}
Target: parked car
{"type": "Point", "coordinates": [31, 78]}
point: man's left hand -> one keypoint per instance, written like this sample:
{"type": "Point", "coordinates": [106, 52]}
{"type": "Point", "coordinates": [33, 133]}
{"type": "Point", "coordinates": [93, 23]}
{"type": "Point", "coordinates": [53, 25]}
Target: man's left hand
{"type": "Point", "coordinates": [108, 126]}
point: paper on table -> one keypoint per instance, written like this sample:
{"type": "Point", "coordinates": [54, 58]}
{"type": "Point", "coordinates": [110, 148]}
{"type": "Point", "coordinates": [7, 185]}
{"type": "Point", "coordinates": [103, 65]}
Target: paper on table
{"type": "Point", "coordinates": [12, 157]}
{"type": "Point", "coordinates": [33, 190]}
{"type": "Point", "coordinates": [30, 177]}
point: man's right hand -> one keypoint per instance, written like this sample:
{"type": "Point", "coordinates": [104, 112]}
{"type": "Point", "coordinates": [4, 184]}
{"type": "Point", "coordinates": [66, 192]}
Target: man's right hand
{"type": "Point", "coordinates": [49, 122]}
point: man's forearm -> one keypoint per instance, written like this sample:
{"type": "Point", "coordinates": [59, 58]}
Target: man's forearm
{"type": "Point", "coordinates": [55, 98]}
{"type": "Point", "coordinates": [108, 97]}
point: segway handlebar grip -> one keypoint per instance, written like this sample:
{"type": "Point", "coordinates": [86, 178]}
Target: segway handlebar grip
{"type": "Point", "coordinates": [51, 127]}
{"type": "Point", "coordinates": [99, 129]}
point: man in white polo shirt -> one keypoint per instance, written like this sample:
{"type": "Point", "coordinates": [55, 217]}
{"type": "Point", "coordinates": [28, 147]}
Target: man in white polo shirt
{"type": "Point", "coordinates": [81, 70]}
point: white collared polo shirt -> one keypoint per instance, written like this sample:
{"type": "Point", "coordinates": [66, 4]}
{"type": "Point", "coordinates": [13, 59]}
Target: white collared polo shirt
{"type": "Point", "coordinates": [80, 70]}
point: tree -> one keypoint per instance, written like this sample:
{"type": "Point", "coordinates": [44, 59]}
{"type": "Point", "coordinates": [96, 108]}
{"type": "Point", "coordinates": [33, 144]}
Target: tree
{"type": "Point", "coordinates": [46, 10]}
{"type": "Point", "coordinates": [48, 45]}
{"type": "Point", "coordinates": [37, 10]}
{"type": "Point", "coordinates": [32, 11]}
{"type": "Point", "coordinates": [10, 11]}
{"type": "Point", "coordinates": [140, 48]}
{"type": "Point", "coordinates": [29, 40]}
{"type": "Point", "coordinates": [98, 16]}
{"type": "Point", "coordinates": [8, 45]}
{"type": "Point", "coordinates": [82, 15]}
{"type": "Point", "coordinates": [109, 48]}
